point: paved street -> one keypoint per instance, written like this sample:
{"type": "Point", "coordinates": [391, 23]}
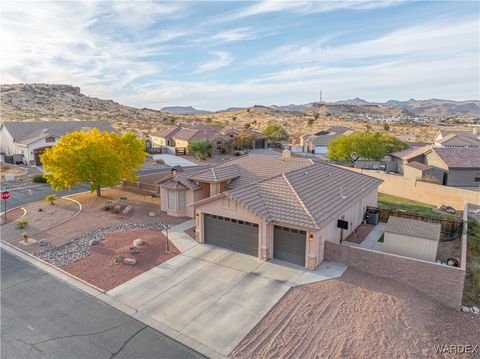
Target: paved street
{"type": "Point", "coordinates": [42, 317]}
{"type": "Point", "coordinates": [37, 192]}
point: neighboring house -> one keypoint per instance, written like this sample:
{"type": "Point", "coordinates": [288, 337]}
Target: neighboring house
{"type": "Point", "coordinates": [458, 139]}
{"type": "Point", "coordinates": [318, 142]}
{"type": "Point", "coordinates": [181, 137]}
{"type": "Point", "coordinates": [412, 238]}
{"type": "Point", "coordinates": [414, 154]}
{"type": "Point", "coordinates": [418, 170]}
{"type": "Point", "coordinates": [271, 207]}
{"type": "Point", "coordinates": [28, 140]}
{"type": "Point", "coordinates": [460, 166]}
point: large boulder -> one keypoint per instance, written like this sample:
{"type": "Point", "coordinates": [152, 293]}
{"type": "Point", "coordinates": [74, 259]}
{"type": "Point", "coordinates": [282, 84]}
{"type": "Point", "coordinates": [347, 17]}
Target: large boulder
{"type": "Point", "coordinates": [117, 208]}
{"type": "Point", "coordinates": [133, 250]}
{"type": "Point", "coordinates": [93, 242]}
{"type": "Point", "coordinates": [130, 261]}
{"type": "Point", "coordinates": [119, 259]}
{"type": "Point", "coordinates": [109, 205]}
{"type": "Point", "coordinates": [127, 209]}
{"type": "Point", "coordinates": [138, 242]}
{"type": "Point", "coordinates": [43, 242]}
{"type": "Point", "coordinates": [152, 214]}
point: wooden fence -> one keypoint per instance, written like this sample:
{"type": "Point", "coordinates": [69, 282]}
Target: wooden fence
{"type": "Point", "coordinates": [143, 188]}
{"type": "Point", "coordinates": [451, 228]}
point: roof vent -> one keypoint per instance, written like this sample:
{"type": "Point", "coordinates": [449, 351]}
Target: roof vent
{"type": "Point", "coordinates": [341, 193]}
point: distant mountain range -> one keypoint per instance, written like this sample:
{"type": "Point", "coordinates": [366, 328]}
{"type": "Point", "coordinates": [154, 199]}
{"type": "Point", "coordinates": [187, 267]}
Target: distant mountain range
{"type": "Point", "coordinates": [45, 101]}
{"type": "Point", "coordinates": [412, 107]}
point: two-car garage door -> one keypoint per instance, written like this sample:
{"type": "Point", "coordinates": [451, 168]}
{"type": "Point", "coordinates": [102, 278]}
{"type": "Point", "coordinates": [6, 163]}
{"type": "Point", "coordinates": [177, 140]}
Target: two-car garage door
{"type": "Point", "coordinates": [288, 244]}
{"type": "Point", "coordinates": [233, 234]}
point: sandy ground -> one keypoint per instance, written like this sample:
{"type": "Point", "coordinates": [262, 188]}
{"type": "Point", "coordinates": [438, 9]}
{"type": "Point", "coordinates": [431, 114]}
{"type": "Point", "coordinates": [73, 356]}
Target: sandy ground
{"type": "Point", "coordinates": [100, 269]}
{"type": "Point", "coordinates": [23, 175]}
{"type": "Point", "coordinates": [358, 316]}
{"type": "Point", "coordinates": [94, 215]}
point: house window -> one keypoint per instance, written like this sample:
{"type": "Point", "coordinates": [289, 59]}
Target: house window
{"type": "Point", "coordinates": [50, 139]}
{"type": "Point", "coordinates": [477, 176]}
{"type": "Point", "coordinates": [181, 201]}
{"type": "Point", "coordinates": [171, 199]}
{"type": "Point", "coordinates": [228, 204]}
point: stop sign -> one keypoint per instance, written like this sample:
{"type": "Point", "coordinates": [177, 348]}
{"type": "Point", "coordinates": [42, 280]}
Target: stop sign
{"type": "Point", "coordinates": [6, 195]}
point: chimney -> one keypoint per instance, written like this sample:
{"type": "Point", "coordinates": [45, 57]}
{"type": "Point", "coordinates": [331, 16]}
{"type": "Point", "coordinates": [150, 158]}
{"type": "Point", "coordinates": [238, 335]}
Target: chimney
{"type": "Point", "coordinates": [286, 154]}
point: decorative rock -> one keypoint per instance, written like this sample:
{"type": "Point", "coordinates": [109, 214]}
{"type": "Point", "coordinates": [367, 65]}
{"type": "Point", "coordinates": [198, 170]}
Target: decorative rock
{"type": "Point", "coordinates": [138, 242]}
{"type": "Point", "coordinates": [118, 259]}
{"type": "Point", "coordinates": [152, 214]}
{"type": "Point", "coordinates": [117, 208]}
{"type": "Point", "coordinates": [130, 261]}
{"type": "Point", "coordinates": [43, 242]}
{"type": "Point", "coordinates": [465, 309]}
{"type": "Point", "coordinates": [476, 310]}
{"type": "Point", "coordinates": [127, 209]}
{"type": "Point", "coordinates": [93, 242]}
{"type": "Point", "coordinates": [109, 205]}
{"type": "Point", "coordinates": [133, 250]}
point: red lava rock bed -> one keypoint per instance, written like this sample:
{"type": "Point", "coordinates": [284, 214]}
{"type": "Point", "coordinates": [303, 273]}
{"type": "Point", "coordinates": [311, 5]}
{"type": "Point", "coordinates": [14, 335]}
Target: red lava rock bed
{"type": "Point", "coordinates": [100, 268]}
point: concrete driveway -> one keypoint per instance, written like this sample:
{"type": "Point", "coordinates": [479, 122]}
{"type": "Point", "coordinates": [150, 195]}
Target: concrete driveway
{"type": "Point", "coordinates": [215, 296]}
{"type": "Point", "coordinates": [172, 160]}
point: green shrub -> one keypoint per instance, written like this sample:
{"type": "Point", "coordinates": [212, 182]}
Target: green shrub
{"type": "Point", "coordinates": [223, 151]}
{"type": "Point", "coordinates": [237, 153]}
{"type": "Point", "coordinates": [50, 198]}
{"type": "Point", "coordinates": [160, 162]}
{"type": "Point", "coordinates": [39, 179]}
{"type": "Point", "coordinates": [21, 224]}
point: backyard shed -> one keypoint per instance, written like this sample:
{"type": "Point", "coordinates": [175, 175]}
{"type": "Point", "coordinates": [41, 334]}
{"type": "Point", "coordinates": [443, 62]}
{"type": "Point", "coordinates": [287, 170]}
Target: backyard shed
{"type": "Point", "coordinates": [412, 238]}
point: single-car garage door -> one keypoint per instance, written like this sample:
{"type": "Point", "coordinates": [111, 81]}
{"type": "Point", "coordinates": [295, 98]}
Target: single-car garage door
{"type": "Point", "coordinates": [239, 236]}
{"type": "Point", "coordinates": [289, 245]}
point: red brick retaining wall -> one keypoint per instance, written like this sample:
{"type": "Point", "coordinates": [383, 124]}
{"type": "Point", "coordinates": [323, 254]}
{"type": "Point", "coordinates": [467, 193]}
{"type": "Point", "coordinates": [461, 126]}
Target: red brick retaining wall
{"type": "Point", "coordinates": [443, 283]}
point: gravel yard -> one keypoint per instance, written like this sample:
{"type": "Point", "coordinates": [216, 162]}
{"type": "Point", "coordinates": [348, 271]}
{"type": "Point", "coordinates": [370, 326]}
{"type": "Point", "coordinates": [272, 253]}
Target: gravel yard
{"type": "Point", "coordinates": [40, 217]}
{"type": "Point", "coordinates": [94, 216]}
{"type": "Point", "coordinates": [358, 316]}
{"type": "Point", "coordinates": [100, 269]}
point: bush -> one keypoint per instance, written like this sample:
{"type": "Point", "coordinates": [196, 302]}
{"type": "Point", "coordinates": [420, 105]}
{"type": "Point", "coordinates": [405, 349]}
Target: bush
{"type": "Point", "coordinates": [223, 151]}
{"type": "Point", "coordinates": [50, 198]}
{"type": "Point", "coordinates": [160, 162]}
{"type": "Point", "coordinates": [237, 153]}
{"type": "Point", "coordinates": [39, 179]}
{"type": "Point", "coordinates": [21, 224]}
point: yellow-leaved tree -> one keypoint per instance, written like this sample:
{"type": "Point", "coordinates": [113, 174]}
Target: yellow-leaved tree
{"type": "Point", "coordinates": [102, 159]}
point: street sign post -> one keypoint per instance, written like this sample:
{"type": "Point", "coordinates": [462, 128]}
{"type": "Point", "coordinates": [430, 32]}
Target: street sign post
{"type": "Point", "coordinates": [5, 196]}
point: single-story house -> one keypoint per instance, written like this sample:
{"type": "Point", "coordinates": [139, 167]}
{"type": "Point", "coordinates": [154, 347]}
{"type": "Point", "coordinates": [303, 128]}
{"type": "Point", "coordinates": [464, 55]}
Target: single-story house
{"type": "Point", "coordinates": [460, 166]}
{"type": "Point", "coordinates": [28, 140]}
{"type": "Point", "coordinates": [458, 139]}
{"type": "Point", "coordinates": [413, 154]}
{"type": "Point", "coordinates": [318, 142]}
{"type": "Point", "coordinates": [271, 207]}
{"type": "Point", "coordinates": [180, 137]}
{"type": "Point", "coordinates": [418, 170]}
{"type": "Point", "coordinates": [412, 238]}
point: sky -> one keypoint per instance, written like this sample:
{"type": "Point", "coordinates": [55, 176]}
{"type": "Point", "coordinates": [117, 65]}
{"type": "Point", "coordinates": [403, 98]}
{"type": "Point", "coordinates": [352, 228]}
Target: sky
{"type": "Point", "coordinates": [214, 55]}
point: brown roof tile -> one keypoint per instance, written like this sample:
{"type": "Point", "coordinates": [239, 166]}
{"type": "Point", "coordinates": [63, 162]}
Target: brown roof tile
{"type": "Point", "coordinates": [459, 157]}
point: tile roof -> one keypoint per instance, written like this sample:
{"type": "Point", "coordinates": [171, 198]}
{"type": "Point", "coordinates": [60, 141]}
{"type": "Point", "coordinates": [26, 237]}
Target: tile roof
{"type": "Point", "coordinates": [28, 132]}
{"type": "Point", "coordinates": [468, 134]}
{"type": "Point", "coordinates": [458, 140]}
{"type": "Point", "coordinates": [218, 174]}
{"type": "Point", "coordinates": [166, 132]}
{"type": "Point", "coordinates": [418, 165]}
{"type": "Point", "coordinates": [312, 196]}
{"type": "Point", "coordinates": [322, 138]}
{"type": "Point", "coordinates": [459, 157]}
{"type": "Point", "coordinates": [410, 153]}
{"type": "Point", "coordinates": [175, 185]}
{"type": "Point", "coordinates": [413, 228]}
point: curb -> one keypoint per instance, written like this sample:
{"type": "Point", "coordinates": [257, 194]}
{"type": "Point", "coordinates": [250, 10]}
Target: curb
{"type": "Point", "coordinates": [49, 268]}
{"type": "Point", "coordinates": [103, 296]}
{"type": "Point", "coordinates": [14, 208]}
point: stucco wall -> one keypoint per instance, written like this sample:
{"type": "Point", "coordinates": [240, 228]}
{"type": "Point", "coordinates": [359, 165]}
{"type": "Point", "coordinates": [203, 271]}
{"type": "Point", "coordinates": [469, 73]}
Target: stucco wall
{"type": "Point", "coordinates": [441, 282]}
{"type": "Point", "coordinates": [402, 245]}
{"type": "Point", "coordinates": [462, 177]}
{"type": "Point", "coordinates": [434, 194]}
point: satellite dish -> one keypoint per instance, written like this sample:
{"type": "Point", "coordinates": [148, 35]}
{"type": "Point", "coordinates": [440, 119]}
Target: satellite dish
{"type": "Point", "coordinates": [354, 157]}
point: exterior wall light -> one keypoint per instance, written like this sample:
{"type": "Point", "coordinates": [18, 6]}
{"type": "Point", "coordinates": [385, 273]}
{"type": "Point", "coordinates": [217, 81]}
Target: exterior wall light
{"type": "Point", "coordinates": [310, 237]}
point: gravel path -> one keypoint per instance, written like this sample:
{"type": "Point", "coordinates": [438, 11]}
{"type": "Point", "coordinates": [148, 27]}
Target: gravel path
{"type": "Point", "coordinates": [80, 247]}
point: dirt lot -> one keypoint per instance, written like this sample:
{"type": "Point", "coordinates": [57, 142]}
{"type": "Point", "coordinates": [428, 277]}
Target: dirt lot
{"type": "Point", "coordinates": [100, 269]}
{"type": "Point", "coordinates": [23, 175]}
{"type": "Point", "coordinates": [94, 216]}
{"type": "Point", "coordinates": [358, 316]}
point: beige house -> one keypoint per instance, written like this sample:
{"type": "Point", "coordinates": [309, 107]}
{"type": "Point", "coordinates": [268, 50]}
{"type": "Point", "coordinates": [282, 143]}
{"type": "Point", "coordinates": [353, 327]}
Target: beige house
{"type": "Point", "coordinates": [412, 238]}
{"type": "Point", "coordinates": [271, 207]}
{"type": "Point", "coordinates": [458, 139]}
{"type": "Point", "coordinates": [181, 137]}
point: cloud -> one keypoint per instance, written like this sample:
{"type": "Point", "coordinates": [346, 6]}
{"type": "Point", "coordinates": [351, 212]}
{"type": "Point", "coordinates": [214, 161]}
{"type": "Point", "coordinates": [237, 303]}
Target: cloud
{"type": "Point", "coordinates": [302, 7]}
{"type": "Point", "coordinates": [222, 59]}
